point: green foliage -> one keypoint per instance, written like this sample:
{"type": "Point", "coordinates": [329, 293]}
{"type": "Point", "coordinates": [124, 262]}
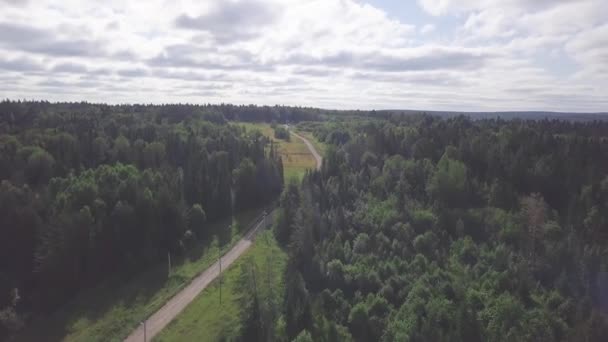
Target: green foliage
{"type": "Point", "coordinates": [358, 320]}
{"type": "Point", "coordinates": [297, 306]}
{"type": "Point", "coordinates": [39, 166]}
{"type": "Point", "coordinates": [416, 228]}
{"type": "Point", "coordinates": [448, 183]}
{"type": "Point", "coordinates": [196, 220]}
{"type": "Point", "coordinates": [289, 202]}
{"type": "Point", "coordinates": [303, 336]}
{"type": "Point", "coordinates": [502, 239]}
{"type": "Point", "coordinates": [91, 192]}
{"type": "Point", "coordinates": [282, 133]}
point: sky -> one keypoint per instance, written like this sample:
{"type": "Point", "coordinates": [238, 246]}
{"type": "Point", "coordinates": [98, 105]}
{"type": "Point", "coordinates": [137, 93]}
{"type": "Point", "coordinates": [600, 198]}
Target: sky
{"type": "Point", "coordinates": [455, 55]}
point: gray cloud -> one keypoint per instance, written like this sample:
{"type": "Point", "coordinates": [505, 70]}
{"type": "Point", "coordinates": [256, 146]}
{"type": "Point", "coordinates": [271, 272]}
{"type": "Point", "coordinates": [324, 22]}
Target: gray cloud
{"type": "Point", "coordinates": [181, 61]}
{"type": "Point", "coordinates": [230, 21]}
{"type": "Point", "coordinates": [19, 3]}
{"type": "Point", "coordinates": [78, 68]}
{"type": "Point", "coordinates": [315, 72]}
{"type": "Point", "coordinates": [113, 25]}
{"type": "Point", "coordinates": [133, 72]}
{"type": "Point", "coordinates": [440, 60]}
{"type": "Point", "coordinates": [69, 67]}
{"type": "Point", "coordinates": [54, 83]}
{"type": "Point", "coordinates": [434, 79]}
{"type": "Point", "coordinates": [200, 93]}
{"type": "Point", "coordinates": [36, 40]}
{"type": "Point", "coordinates": [440, 7]}
{"type": "Point", "coordinates": [21, 64]}
{"type": "Point", "coordinates": [433, 59]}
{"type": "Point", "coordinates": [542, 4]}
{"type": "Point", "coordinates": [124, 55]}
{"type": "Point", "coordinates": [189, 75]}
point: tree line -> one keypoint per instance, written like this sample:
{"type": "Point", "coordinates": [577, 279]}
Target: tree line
{"type": "Point", "coordinates": [27, 111]}
{"type": "Point", "coordinates": [90, 191]}
{"type": "Point", "coordinates": [426, 229]}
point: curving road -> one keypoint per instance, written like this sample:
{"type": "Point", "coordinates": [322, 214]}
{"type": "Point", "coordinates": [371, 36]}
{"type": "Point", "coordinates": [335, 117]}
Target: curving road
{"type": "Point", "coordinates": [162, 317]}
{"type": "Point", "coordinates": [312, 150]}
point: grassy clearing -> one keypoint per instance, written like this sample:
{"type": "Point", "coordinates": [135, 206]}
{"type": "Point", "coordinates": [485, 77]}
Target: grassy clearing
{"type": "Point", "coordinates": [110, 311]}
{"type": "Point", "coordinates": [205, 319]}
{"type": "Point", "coordinates": [295, 155]}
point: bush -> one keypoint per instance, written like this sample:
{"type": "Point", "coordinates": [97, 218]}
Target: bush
{"type": "Point", "coordinates": [282, 133]}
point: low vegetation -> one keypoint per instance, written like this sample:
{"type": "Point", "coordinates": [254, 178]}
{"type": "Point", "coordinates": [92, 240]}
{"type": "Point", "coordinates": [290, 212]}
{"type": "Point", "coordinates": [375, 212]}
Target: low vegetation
{"type": "Point", "coordinates": [281, 133]}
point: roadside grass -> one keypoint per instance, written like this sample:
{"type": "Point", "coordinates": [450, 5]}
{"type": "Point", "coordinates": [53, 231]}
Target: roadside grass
{"type": "Point", "coordinates": [205, 319]}
{"type": "Point", "coordinates": [112, 310]}
{"type": "Point", "coordinates": [319, 146]}
{"type": "Point", "coordinates": [295, 155]}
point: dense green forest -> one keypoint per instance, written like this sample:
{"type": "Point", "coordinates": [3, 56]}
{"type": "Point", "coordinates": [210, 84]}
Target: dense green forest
{"type": "Point", "coordinates": [426, 229]}
{"type": "Point", "coordinates": [416, 228]}
{"type": "Point", "coordinates": [92, 191]}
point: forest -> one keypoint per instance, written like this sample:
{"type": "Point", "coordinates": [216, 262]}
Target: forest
{"type": "Point", "coordinates": [416, 227]}
{"type": "Point", "coordinates": [419, 228]}
{"type": "Point", "coordinates": [89, 191]}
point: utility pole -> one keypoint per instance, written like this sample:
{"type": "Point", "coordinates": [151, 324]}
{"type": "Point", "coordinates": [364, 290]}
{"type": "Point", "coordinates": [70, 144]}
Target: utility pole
{"type": "Point", "coordinates": [169, 262]}
{"type": "Point", "coordinates": [270, 292]}
{"type": "Point", "coordinates": [257, 295]}
{"type": "Point", "coordinates": [144, 325]}
{"type": "Point", "coordinates": [255, 288]}
{"type": "Point", "coordinates": [268, 265]}
{"type": "Point", "coordinates": [220, 276]}
{"type": "Point", "coordinates": [270, 302]}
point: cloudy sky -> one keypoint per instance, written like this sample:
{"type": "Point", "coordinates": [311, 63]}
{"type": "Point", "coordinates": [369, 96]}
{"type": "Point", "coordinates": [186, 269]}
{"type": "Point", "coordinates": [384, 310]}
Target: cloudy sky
{"type": "Point", "coordinates": [427, 54]}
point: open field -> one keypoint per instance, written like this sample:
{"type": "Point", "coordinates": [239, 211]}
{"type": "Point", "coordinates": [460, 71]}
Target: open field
{"type": "Point", "coordinates": [295, 155]}
{"type": "Point", "coordinates": [205, 319]}
{"type": "Point", "coordinates": [110, 311]}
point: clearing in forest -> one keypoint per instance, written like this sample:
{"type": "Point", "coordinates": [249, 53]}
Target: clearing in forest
{"type": "Point", "coordinates": [294, 153]}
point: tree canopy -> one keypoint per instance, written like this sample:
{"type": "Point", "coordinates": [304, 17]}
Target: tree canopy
{"type": "Point", "coordinates": [92, 191]}
{"type": "Point", "coordinates": [428, 229]}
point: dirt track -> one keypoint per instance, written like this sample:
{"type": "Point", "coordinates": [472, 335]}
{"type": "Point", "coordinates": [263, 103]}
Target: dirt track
{"type": "Point", "coordinates": [162, 317]}
{"type": "Point", "coordinates": [312, 150]}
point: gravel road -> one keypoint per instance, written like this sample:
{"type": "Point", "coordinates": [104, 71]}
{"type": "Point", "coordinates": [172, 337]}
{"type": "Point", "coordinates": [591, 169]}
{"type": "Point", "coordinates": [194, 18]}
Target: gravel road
{"type": "Point", "coordinates": [312, 150]}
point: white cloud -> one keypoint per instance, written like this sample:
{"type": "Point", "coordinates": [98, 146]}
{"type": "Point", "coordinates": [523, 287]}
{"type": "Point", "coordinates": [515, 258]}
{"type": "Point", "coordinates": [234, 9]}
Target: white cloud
{"type": "Point", "coordinates": [328, 53]}
{"type": "Point", "coordinates": [428, 28]}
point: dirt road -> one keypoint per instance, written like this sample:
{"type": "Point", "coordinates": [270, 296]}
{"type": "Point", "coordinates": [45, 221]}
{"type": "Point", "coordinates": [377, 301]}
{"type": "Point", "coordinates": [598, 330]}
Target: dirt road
{"type": "Point", "coordinates": [312, 150]}
{"type": "Point", "coordinates": [155, 323]}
